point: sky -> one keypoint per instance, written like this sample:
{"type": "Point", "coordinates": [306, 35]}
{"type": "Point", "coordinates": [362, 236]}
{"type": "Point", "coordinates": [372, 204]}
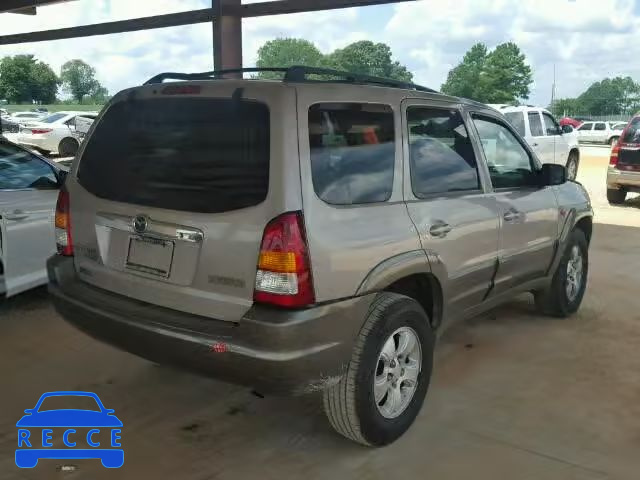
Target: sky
{"type": "Point", "coordinates": [587, 40]}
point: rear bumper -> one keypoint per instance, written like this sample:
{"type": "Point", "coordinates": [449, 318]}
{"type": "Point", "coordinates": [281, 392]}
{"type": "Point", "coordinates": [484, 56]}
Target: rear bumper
{"type": "Point", "coordinates": [622, 178]}
{"type": "Point", "coordinates": [271, 350]}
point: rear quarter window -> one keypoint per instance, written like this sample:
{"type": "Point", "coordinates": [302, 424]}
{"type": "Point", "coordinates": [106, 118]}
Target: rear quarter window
{"type": "Point", "coordinates": [516, 119]}
{"type": "Point", "coordinates": [352, 148]}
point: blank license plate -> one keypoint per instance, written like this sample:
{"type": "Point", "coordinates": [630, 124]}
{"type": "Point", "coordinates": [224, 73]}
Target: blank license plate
{"type": "Point", "coordinates": [150, 255]}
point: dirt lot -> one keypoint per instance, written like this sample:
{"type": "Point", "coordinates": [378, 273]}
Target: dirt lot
{"type": "Point", "coordinates": [515, 395]}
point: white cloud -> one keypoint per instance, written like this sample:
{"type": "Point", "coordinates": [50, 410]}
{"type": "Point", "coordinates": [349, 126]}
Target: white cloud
{"type": "Point", "coordinates": [584, 38]}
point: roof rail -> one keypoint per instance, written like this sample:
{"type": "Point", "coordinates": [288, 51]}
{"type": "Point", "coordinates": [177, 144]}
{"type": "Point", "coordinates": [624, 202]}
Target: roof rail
{"type": "Point", "coordinates": [295, 74]}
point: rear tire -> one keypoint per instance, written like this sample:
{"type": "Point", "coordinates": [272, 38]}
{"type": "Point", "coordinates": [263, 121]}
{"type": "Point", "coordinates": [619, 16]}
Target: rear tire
{"type": "Point", "coordinates": [616, 197]}
{"type": "Point", "coordinates": [351, 405]}
{"type": "Point", "coordinates": [68, 147]}
{"type": "Point", "coordinates": [560, 300]}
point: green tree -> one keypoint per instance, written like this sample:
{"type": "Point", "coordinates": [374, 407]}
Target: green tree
{"type": "Point", "coordinates": [24, 79]}
{"type": "Point", "coordinates": [500, 76]}
{"type": "Point", "coordinates": [100, 96]}
{"type": "Point", "coordinates": [285, 52]}
{"type": "Point", "coordinates": [463, 80]}
{"type": "Point", "coordinates": [79, 79]}
{"type": "Point", "coordinates": [610, 96]}
{"type": "Point", "coordinates": [369, 58]}
{"type": "Point", "coordinates": [566, 106]}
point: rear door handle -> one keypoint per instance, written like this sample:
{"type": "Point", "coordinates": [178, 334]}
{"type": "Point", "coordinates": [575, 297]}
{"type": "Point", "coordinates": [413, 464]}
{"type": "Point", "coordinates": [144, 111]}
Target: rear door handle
{"type": "Point", "coordinates": [439, 229]}
{"type": "Point", "coordinates": [534, 144]}
{"type": "Point", "coordinates": [512, 215]}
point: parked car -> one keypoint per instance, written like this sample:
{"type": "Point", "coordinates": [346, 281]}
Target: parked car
{"type": "Point", "coordinates": [600, 132]}
{"type": "Point", "coordinates": [23, 117]}
{"type": "Point", "coordinates": [305, 235]}
{"type": "Point", "coordinates": [55, 133]}
{"type": "Point", "coordinates": [623, 174]}
{"type": "Point", "coordinates": [29, 187]}
{"type": "Point", "coordinates": [8, 126]}
{"type": "Point", "coordinates": [550, 142]}
{"type": "Point", "coordinates": [570, 121]}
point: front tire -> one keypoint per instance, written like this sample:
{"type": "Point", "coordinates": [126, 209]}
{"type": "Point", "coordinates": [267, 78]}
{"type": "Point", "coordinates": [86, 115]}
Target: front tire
{"type": "Point", "coordinates": [616, 196]}
{"type": "Point", "coordinates": [68, 147]}
{"type": "Point", "coordinates": [564, 296]}
{"type": "Point", "coordinates": [387, 379]}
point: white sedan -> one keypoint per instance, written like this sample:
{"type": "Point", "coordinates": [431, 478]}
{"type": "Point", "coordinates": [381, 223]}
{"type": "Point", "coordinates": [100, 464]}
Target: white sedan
{"type": "Point", "coordinates": [29, 186]}
{"type": "Point", "coordinates": [54, 134]}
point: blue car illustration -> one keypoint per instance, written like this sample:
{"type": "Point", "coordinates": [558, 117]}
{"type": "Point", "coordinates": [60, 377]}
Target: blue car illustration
{"type": "Point", "coordinates": [40, 423]}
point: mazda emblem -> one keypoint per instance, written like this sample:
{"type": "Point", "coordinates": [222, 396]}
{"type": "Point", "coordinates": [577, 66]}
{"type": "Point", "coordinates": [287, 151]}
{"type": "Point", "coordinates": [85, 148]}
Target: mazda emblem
{"type": "Point", "coordinates": [140, 223]}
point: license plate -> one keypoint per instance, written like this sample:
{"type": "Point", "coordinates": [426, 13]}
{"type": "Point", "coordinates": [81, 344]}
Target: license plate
{"type": "Point", "coordinates": [150, 255]}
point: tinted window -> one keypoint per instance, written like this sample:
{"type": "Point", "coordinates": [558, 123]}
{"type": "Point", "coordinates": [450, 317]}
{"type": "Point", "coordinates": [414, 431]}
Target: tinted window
{"type": "Point", "coordinates": [440, 152]}
{"type": "Point", "coordinates": [632, 134]}
{"type": "Point", "coordinates": [517, 120]}
{"type": "Point", "coordinates": [550, 124]}
{"type": "Point", "coordinates": [600, 127]}
{"type": "Point", "coordinates": [535, 124]}
{"type": "Point", "coordinates": [509, 163]}
{"type": "Point", "coordinates": [19, 169]}
{"type": "Point", "coordinates": [352, 152]}
{"type": "Point", "coordinates": [586, 126]}
{"type": "Point", "coordinates": [53, 118]}
{"type": "Point", "coordinates": [196, 154]}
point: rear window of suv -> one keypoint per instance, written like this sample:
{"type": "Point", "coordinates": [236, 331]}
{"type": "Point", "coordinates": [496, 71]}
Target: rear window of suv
{"type": "Point", "coordinates": [205, 155]}
{"type": "Point", "coordinates": [352, 152]}
{"type": "Point", "coordinates": [632, 133]}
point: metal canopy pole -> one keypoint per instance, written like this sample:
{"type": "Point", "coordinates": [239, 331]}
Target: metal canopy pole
{"type": "Point", "coordinates": [227, 35]}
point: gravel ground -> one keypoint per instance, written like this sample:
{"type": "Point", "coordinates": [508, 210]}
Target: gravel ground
{"type": "Point", "coordinates": [514, 396]}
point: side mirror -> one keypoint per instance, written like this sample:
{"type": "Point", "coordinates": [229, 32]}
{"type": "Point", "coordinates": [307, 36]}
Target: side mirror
{"type": "Point", "coordinates": [551, 174]}
{"type": "Point", "coordinates": [567, 129]}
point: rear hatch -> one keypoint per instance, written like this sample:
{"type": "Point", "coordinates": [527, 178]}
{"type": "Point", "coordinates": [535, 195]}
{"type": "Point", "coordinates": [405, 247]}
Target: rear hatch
{"type": "Point", "coordinates": [629, 154]}
{"type": "Point", "coordinates": [174, 187]}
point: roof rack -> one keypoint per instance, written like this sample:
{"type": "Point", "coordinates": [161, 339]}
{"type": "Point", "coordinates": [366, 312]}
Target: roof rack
{"type": "Point", "coordinates": [295, 74]}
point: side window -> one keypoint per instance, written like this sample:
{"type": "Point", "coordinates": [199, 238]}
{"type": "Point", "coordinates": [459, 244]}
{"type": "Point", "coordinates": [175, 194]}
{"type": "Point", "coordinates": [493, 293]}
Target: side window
{"type": "Point", "coordinates": [516, 119]}
{"type": "Point", "coordinates": [585, 127]}
{"type": "Point", "coordinates": [441, 156]}
{"type": "Point", "coordinates": [509, 163]}
{"type": "Point", "coordinates": [535, 124]}
{"type": "Point", "coordinates": [600, 127]}
{"type": "Point", "coordinates": [19, 169]}
{"type": "Point", "coordinates": [352, 152]}
{"type": "Point", "coordinates": [550, 124]}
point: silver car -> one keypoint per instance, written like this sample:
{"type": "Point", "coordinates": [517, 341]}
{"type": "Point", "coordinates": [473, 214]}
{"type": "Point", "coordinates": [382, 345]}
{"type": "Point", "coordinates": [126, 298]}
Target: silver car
{"type": "Point", "coordinates": [309, 235]}
{"type": "Point", "coordinates": [29, 187]}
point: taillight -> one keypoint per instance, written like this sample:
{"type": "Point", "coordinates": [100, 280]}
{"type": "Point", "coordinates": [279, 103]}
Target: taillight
{"type": "Point", "coordinates": [615, 151]}
{"type": "Point", "coordinates": [284, 269]}
{"type": "Point", "coordinates": [63, 224]}
{"type": "Point", "coordinates": [38, 131]}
